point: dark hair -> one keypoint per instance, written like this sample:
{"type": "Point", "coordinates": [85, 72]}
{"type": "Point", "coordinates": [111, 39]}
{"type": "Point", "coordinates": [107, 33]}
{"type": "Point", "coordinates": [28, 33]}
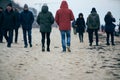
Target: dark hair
{"type": "Point", "coordinates": [93, 10]}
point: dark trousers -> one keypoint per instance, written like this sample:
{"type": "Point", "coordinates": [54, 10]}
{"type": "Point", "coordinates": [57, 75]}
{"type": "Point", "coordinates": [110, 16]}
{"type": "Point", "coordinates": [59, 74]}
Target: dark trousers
{"type": "Point", "coordinates": [16, 34]}
{"type": "Point", "coordinates": [90, 35]}
{"type": "Point", "coordinates": [8, 34]}
{"type": "Point", "coordinates": [112, 37]}
{"type": "Point", "coordinates": [45, 35]}
{"type": "Point", "coordinates": [1, 35]}
{"type": "Point", "coordinates": [81, 36]}
{"type": "Point", "coordinates": [25, 33]}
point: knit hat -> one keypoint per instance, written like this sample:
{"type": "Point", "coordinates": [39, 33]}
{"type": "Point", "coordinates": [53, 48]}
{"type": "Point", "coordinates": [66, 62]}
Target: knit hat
{"type": "Point", "coordinates": [25, 6]}
{"type": "Point", "coordinates": [10, 4]}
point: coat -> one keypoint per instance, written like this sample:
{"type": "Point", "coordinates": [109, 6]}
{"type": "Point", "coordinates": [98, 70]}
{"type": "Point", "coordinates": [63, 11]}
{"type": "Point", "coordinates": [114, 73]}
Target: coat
{"type": "Point", "coordinates": [17, 15]}
{"type": "Point", "coordinates": [80, 22]}
{"type": "Point", "coordinates": [109, 26]}
{"type": "Point", "coordinates": [9, 20]}
{"type": "Point", "coordinates": [1, 19]}
{"type": "Point", "coordinates": [93, 21]}
{"type": "Point", "coordinates": [64, 16]}
{"type": "Point", "coordinates": [26, 19]}
{"type": "Point", "coordinates": [45, 19]}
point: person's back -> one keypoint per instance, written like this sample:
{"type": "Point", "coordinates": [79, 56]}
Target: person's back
{"type": "Point", "coordinates": [63, 17]}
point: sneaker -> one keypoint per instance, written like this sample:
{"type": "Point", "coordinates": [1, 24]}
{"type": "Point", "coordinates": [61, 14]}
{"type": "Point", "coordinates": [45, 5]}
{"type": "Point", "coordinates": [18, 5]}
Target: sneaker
{"type": "Point", "coordinates": [68, 48]}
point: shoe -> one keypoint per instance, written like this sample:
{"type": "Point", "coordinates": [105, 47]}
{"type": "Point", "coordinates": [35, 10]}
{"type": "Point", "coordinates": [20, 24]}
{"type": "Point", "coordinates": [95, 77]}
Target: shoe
{"type": "Point", "coordinates": [30, 45]}
{"type": "Point", "coordinates": [25, 46]}
{"type": "Point", "coordinates": [8, 46]}
{"type": "Point", "coordinates": [48, 49]}
{"type": "Point", "coordinates": [113, 44]}
{"type": "Point", "coordinates": [43, 49]}
{"type": "Point", "coordinates": [107, 44]}
{"type": "Point", "coordinates": [97, 44]}
{"type": "Point", "coordinates": [68, 48]}
{"type": "Point", "coordinates": [90, 44]}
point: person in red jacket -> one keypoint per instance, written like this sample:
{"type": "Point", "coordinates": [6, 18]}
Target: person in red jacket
{"type": "Point", "coordinates": [63, 17]}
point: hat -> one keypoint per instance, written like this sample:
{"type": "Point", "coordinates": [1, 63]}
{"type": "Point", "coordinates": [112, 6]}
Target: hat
{"type": "Point", "coordinates": [25, 6]}
{"type": "Point", "coordinates": [10, 4]}
{"type": "Point", "coordinates": [93, 10]}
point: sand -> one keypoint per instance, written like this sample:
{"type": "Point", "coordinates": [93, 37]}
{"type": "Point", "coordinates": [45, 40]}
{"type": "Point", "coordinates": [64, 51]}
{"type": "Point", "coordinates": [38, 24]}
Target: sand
{"type": "Point", "coordinates": [82, 63]}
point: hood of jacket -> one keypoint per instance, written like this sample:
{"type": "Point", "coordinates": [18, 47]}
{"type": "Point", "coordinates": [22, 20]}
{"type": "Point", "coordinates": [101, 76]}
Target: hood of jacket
{"type": "Point", "coordinates": [64, 4]}
{"type": "Point", "coordinates": [45, 9]}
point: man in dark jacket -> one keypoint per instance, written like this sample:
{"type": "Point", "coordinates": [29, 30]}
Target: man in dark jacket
{"type": "Point", "coordinates": [8, 24]}
{"type": "Point", "coordinates": [27, 19]}
{"type": "Point", "coordinates": [45, 19]}
{"type": "Point", "coordinates": [1, 24]}
{"type": "Point", "coordinates": [93, 24]}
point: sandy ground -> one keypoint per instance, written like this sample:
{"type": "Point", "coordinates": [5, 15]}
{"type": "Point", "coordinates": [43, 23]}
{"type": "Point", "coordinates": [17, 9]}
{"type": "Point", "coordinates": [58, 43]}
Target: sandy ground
{"type": "Point", "coordinates": [82, 63]}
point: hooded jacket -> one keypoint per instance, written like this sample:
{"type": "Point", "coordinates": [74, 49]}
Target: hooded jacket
{"type": "Point", "coordinates": [45, 19]}
{"type": "Point", "coordinates": [64, 16]}
{"type": "Point", "coordinates": [93, 21]}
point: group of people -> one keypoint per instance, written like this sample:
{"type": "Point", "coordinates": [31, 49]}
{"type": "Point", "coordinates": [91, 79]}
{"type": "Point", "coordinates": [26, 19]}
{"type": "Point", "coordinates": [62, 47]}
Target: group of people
{"type": "Point", "coordinates": [11, 20]}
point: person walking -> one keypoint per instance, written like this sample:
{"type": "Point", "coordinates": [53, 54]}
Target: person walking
{"type": "Point", "coordinates": [74, 27]}
{"type": "Point", "coordinates": [109, 27]}
{"type": "Point", "coordinates": [27, 19]}
{"type": "Point", "coordinates": [17, 14]}
{"type": "Point", "coordinates": [1, 24]}
{"type": "Point", "coordinates": [93, 24]}
{"type": "Point", "coordinates": [63, 17]}
{"type": "Point", "coordinates": [45, 19]}
{"type": "Point", "coordinates": [80, 22]}
{"type": "Point", "coordinates": [9, 22]}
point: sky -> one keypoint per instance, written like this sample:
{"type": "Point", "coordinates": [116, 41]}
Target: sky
{"type": "Point", "coordinates": [78, 6]}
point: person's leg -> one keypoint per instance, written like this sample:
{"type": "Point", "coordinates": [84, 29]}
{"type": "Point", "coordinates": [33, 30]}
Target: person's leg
{"type": "Point", "coordinates": [30, 37]}
{"type": "Point", "coordinates": [43, 41]}
{"type": "Point", "coordinates": [63, 40]}
{"type": "Point", "coordinates": [5, 34]}
{"type": "Point", "coordinates": [90, 36]}
{"type": "Point", "coordinates": [10, 38]}
{"type": "Point", "coordinates": [112, 38]}
{"type": "Point", "coordinates": [48, 41]}
{"type": "Point", "coordinates": [96, 34]}
{"type": "Point", "coordinates": [68, 34]}
{"type": "Point", "coordinates": [1, 36]}
{"type": "Point", "coordinates": [107, 39]}
{"type": "Point", "coordinates": [16, 35]}
{"type": "Point", "coordinates": [25, 38]}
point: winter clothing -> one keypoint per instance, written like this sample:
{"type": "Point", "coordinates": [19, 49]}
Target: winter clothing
{"type": "Point", "coordinates": [109, 27]}
{"type": "Point", "coordinates": [10, 4]}
{"type": "Point", "coordinates": [63, 17]}
{"type": "Point", "coordinates": [1, 25]}
{"type": "Point", "coordinates": [9, 23]}
{"type": "Point", "coordinates": [27, 19]}
{"type": "Point", "coordinates": [45, 19]}
{"type": "Point", "coordinates": [80, 22]}
{"type": "Point", "coordinates": [93, 24]}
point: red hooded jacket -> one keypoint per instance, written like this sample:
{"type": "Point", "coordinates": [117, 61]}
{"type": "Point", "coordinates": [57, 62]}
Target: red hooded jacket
{"type": "Point", "coordinates": [64, 16]}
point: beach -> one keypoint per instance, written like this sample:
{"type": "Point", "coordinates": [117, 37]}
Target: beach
{"type": "Point", "coordinates": [84, 62]}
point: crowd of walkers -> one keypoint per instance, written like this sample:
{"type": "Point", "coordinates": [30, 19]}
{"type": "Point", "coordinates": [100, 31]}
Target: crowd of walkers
{"type": "Point", "coordinates": [11, 19]}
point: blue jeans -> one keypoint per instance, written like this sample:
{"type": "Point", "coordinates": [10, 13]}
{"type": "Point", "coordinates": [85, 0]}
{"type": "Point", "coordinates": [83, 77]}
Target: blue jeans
{"type": "Point", "coordinates": [64, 34]}
{"type": "Point", "coordinates": [25, 36]}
